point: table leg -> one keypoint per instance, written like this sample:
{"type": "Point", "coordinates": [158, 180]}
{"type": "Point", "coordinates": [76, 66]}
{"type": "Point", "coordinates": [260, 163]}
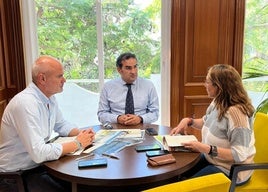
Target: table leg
{"type": "Point", "coordinates": [74, 187]}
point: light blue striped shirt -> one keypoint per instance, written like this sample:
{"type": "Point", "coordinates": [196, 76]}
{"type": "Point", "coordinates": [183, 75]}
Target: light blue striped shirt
{"type": "Point", "coordinates": [113, 99]}
{"type": "Point", "coordinates": [26, 126]}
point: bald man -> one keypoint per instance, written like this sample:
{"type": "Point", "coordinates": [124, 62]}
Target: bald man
{"type": "Point", "coordinates": [28, 122]}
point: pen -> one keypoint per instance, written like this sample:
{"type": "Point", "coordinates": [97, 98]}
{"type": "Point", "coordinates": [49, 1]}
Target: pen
{"type": "Point", "coordinates": [111, 156]}
{"type": "Point", "coordinates": [83, 157]}
{"type": "Point", "coordinates": [53, 139]}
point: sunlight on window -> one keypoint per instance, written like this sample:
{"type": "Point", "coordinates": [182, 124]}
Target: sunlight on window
{"type": "Point", "coordinates": [255, 58]}
{"type": "Point", "coordinates": [142, 3]}
{"type": "Point", "coordinates": [67, 30]}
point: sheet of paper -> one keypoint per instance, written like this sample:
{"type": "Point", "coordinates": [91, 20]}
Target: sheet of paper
{"type": "Point", "coordinates": [177, 140]}
{"type": "Point", "coordinates": [127, 136]}
{"type": "Point", "coordinates": [65, 140]}
{"type": "Point", "coordinates": [159, 139]}
{"type": "Point", "coordinates": [104, 135]}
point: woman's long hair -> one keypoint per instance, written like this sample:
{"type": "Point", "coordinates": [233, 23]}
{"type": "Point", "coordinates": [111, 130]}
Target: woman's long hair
{"type": "Point", "coordinates": [231, 91]}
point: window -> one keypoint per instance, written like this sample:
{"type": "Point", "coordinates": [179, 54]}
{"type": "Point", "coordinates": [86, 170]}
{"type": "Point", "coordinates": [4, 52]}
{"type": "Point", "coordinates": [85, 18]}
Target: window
{"type": "Point", "coordinates": [255, 60]}
{"type": "Point", "coordinates": [87, 36]}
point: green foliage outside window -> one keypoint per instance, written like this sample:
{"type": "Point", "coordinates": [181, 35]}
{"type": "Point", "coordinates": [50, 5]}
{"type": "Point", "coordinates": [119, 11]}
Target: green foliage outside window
{"type": "Point", "coordinates": [255, 61]}
{"type": "Point", "coordinates": [67, 30]}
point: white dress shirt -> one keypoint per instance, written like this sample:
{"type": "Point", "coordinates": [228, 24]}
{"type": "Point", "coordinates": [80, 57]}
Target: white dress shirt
{"type": "Point", "coordinates": [27, 123]}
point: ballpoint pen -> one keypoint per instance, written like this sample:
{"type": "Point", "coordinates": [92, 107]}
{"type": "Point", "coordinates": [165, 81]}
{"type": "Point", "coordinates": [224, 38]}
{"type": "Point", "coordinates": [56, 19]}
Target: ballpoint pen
{"type": "Point", "coordinates": [110, 155]}
{"type": "Point", "coordinates": [83, 157]}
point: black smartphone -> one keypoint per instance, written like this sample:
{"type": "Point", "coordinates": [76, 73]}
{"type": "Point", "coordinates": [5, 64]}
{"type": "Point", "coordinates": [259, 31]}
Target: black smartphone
{"type": "Point", "coordinates": [141, 148]}
{"type": "Point", "coordinates": [156, 153]}
{"type": "Point", "coordinates": [151, 131]}
{"type": "Point", "coordinates": [92, 163]}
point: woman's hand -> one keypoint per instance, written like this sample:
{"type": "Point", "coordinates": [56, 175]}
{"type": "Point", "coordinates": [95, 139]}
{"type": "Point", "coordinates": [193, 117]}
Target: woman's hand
{"type": "Point", "coordinates": [197, 146]}
{"type": "Point", "coordinates": [181, 127]}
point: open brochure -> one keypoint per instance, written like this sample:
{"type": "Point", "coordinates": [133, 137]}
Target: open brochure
{"type": "Point", "coordinates": [112, 141]}
{"type": "Point", "coordinates": [104, 135]}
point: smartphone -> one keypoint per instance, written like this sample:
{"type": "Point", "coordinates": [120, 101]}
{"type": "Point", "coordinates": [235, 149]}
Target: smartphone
{"type": "Point", "coordinates": [92, 163]}
{"type": "Point", "coordinates": [156, 153]}
{"type": "Point", "coordinates": [141, 148]}
{"type": "Point", "coordinates": [151, 131]}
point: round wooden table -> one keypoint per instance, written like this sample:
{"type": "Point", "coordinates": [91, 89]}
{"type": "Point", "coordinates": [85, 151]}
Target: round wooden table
{"type": "Point", "coordinates": [128, 173]}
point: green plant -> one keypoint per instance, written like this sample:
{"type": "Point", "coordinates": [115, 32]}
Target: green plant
{"type": "Point", "coordinates": [263, 106]}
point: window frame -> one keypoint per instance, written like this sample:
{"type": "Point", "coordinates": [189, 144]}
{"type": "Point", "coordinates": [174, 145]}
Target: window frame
{"type": "Point", "coordinates": [30, 39]}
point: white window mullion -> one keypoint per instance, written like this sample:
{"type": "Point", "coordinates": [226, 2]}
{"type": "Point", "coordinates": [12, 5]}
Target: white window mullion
{"type": "Point", "coordinates": [165, 62]}
{"type": "Point", "coordinates": [100, 43]}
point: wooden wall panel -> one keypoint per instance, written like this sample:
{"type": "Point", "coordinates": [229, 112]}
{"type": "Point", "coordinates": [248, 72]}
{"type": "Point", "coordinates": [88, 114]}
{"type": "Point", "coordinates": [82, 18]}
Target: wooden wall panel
{"type": "Point", "coordinates": [195, 106]}
{"type": "Point", "coordinates": [204, 33]}
{"type": "Point", "coordinates": [202, 36]}
{"type": "Point", "coordinates": [12, 69]}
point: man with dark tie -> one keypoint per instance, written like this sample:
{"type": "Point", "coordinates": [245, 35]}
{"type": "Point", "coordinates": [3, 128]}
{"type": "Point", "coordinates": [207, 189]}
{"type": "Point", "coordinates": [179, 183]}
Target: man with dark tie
{"type": "Point", "coordinates": [129, 99]}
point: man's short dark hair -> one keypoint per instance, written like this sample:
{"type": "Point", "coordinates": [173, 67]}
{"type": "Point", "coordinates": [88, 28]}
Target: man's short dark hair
{"type": "Point", "coordinates": [124, 56]}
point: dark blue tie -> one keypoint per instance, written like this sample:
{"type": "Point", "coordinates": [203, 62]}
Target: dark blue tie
{"type": "Point", "coordinates": [129, 101]}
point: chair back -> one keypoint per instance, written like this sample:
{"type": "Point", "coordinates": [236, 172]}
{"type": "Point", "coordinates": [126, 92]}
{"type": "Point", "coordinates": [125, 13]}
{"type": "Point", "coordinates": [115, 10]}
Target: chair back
{"type": "Point", "coordinates": [259, 178]}
{"type": "Point", "coordinates": [17, 176]}
{"type": "Point", "coordinates": [261, 137]}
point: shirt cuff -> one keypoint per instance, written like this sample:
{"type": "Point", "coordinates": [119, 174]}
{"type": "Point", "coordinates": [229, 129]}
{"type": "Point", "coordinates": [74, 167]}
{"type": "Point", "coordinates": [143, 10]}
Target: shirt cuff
{"type": "Point", "coordinates": [141, 119]}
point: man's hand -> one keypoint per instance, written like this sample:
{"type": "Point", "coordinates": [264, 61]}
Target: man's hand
{"type": "Point", "coordinates": [86, 137]}
{"type": "Point", "coordinates": [83, 139]}
{"type": "Point", "coordinates": [129, 119]}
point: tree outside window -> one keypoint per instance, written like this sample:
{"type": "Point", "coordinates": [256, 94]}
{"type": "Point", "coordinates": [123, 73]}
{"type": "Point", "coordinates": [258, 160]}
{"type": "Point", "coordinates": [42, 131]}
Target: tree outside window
{"type": "Point", "coordinates": [255, 61]}
{"type": "Point", "coordinates": [68, 30]}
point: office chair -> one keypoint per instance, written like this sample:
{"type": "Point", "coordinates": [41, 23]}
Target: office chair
{"type": "Point", "coordinates": [213, 182]}
{"type": "Point", "coordinates": [17, 176]}
{"type": "Point", "coordinates": [259, 178]}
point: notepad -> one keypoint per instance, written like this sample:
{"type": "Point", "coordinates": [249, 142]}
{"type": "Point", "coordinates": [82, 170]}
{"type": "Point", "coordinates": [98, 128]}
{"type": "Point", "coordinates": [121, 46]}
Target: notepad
{"type": "Point", "coordinates": [174, 143]}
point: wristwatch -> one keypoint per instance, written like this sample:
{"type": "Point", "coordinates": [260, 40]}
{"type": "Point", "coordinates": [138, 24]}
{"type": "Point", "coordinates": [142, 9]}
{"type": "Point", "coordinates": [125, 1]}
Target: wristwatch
{"type": "Point", "coordinates": [191, 122]}
{"type": "Point", "coordinates": [79, 145]}
{"type": "Point", "coordinates": [213, 152]}
{"type": "Point", "coordinates": [141, 119]}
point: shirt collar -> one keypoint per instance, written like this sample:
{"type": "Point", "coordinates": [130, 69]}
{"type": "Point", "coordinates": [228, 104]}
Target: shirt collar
{"type": "Point", "coordinates": [40, 94]}
{"type": "Point", "coordinates": [124, 83]}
